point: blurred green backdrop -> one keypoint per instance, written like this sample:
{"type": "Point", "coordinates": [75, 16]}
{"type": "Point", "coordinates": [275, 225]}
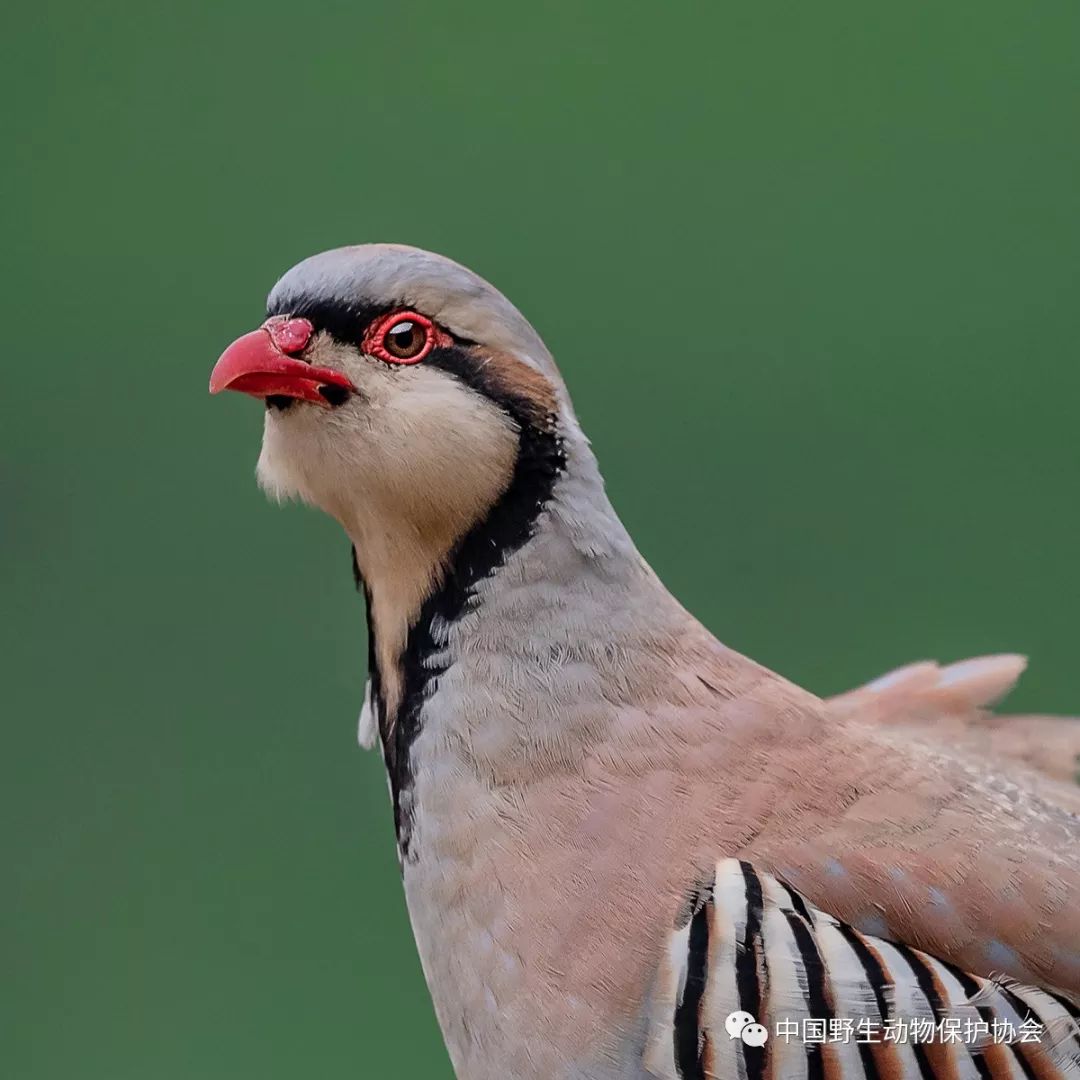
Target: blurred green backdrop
{"type": "Point", "coordinates": [811, 272]}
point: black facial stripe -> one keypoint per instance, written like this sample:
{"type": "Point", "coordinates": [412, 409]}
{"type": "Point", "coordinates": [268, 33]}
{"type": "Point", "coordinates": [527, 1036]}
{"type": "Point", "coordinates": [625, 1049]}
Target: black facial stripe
{"type": "Point", "coordinates": [508, 525]}
{"type": "Point", "coordinates": [344, 320]}
{"type": "Point", "coordinates": [474, 370]}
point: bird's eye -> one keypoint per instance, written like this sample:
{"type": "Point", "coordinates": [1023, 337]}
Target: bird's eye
{"type": "Point", "coordinates": [403, 337]}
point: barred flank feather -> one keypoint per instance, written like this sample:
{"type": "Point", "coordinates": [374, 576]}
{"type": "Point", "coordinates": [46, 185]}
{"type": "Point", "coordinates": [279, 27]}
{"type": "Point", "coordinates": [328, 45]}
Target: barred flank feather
{"type": "Point", "coordinates": [752, 944]}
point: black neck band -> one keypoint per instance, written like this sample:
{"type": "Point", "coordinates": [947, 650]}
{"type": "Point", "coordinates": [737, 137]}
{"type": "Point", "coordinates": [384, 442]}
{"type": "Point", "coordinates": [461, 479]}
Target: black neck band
{"type": "Point", "coordinates": [507, 526]}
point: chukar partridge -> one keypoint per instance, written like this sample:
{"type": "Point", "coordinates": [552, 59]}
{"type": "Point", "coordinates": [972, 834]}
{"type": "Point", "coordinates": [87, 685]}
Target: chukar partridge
{"type": "Point", "coordinates": [627, 850]}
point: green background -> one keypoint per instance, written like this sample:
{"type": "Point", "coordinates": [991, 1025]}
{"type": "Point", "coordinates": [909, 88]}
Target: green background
{"type": "Point", "coordinates": [811, 273]}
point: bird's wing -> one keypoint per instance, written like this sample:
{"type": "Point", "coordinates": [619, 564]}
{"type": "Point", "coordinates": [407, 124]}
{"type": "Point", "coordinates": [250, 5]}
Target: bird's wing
{"type": "Point", "coordinates": [921, 843]}
{"type": "Point", "coordinates": [902, 835]}
{"type": "Point", "coordinates": [834, 1002]}
{"type": "Point", "coordinates": [954, 702]}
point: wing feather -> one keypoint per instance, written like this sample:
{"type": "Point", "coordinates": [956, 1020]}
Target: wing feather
{"type": "Point", "coordinates": [836, 1003]}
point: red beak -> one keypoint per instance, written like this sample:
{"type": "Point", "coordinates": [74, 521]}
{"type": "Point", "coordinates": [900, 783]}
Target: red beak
{"type": "Point", "coordinates": [260, 364]}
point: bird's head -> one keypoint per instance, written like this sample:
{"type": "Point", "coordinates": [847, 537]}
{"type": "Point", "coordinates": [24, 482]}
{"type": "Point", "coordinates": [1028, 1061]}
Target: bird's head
{"type": "Point", "coordinates": [410, 400]}
{"type": "Point", "coordinates": [401, 392]}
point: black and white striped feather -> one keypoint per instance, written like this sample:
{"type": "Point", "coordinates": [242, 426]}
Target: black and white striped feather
{"type": "Point", "coordinates": [750, 943]}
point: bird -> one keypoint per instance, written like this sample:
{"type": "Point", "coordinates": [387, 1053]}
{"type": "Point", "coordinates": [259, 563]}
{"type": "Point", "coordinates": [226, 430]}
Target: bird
{"type": "Point", "coordinates": [628, 850]}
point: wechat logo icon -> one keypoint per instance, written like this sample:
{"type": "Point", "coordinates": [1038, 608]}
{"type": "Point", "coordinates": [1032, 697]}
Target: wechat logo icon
{"type": "Point", "coordinates": [741, 1025]}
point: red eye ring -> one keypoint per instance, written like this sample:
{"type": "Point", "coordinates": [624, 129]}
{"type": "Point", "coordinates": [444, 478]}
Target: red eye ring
{"type": "Point", "coordinates": [403, 337]}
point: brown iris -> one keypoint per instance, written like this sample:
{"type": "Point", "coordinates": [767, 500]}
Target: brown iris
{"type": "Point", "coordinates": [405, 340]}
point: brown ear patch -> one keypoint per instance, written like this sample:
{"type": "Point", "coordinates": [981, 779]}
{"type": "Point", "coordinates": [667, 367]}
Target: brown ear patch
{"type": "Point", "coordinates": [524, 381]}
{"type": "Point", "coordinates": [510, 382]}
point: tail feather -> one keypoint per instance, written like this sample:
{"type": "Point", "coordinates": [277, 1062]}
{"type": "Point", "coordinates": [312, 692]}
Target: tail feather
{"type": "Point", "coordinates": [969, 684]}
{"type": "Point", "coordinates": [953, 702]}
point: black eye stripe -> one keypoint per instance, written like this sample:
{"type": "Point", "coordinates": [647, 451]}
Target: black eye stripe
{"type": "Point", "coordinates": [345, 321]}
